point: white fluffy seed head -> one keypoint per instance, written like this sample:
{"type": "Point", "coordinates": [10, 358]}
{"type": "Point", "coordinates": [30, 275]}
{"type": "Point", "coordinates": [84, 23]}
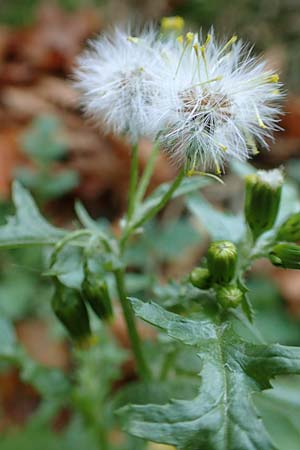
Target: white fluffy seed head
{"type": "Point", "coordinates": [117, 79]}
{"type": "Point", "coordinates": [205, 101]}
{"type": "Point", "coordinates": [216, 102]}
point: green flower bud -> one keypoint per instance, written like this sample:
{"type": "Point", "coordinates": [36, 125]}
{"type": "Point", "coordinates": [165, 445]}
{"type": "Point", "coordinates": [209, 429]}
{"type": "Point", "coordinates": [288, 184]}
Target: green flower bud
{"type": "Point", "coordinates": [290, 229]}
{"type": "Point", "coordinates": [263, 192]}
{"type": "Point", "coordinates": [286, 255]}
{"type": "Point", "coordinates": [229, 296]}
{"type": "Point", "coordinates": [222, 261]}
{"type": "Point", "coordinates": [200, 278]}
{"type": "Point", "coordinates": [97, 296]}
{"type": "Point", "coordinates": [70, 309]}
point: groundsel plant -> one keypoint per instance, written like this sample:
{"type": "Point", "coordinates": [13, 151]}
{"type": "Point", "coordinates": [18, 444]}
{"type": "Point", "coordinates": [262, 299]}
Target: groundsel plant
{"type": "Point", "coordinates": [204, 100]}
{"type": "Point", "coordinates": [197, 378]}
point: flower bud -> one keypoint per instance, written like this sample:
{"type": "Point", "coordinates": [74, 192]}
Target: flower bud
{"type": "Point", "coordinates": [222, 261]}
{"type": "Point", "coordinates": [229, 296]}
{"type": "Point", "coordinates": [96, 294]}
{"type": "Point", "coordinates": [200, 278]}
{"type": "Point", "coordinates": [290, 229]}
{"type": "Point", "coordinates": [70, 309]}
{"type": "Point", "coordinates": [263, 192]}
{"type": "Point", "coordinates": [172, 24]}
{"type": "Point", "coordinates": [286, 255]}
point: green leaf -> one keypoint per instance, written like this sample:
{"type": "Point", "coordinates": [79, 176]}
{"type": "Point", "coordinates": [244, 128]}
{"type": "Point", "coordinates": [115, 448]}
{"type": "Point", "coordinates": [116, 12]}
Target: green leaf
{"type": "Point", "coordinates": [7, 339]}
{"type": "Point", "coordinates": [47, 186]}
{"type": "Point", "coordinates": [281, 412]}
{"type": "Point", "coordinates": [27, 227]}
{"type": "Point", "coordinates": [68, 267]}
{"type": "Point", "coordinates": [158, 239]}
{"type": "Point", "coordinates": [220, 225]}
{"type": "Point", "coordinates": [222, 416]}
{"type": "Point", "coordinates": [156, 391]}
{"type": "Point", "coordinates": [85, 218]}
{"type": "Point", "coordinates": [43, 141]}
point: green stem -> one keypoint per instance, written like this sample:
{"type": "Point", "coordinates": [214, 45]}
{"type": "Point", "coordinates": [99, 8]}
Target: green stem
{"type": "Point", "coordinates": [101, 436]}
{"type": "Point", "coordinates": [133, 182]}
{"type": "Point", "coordinates": [163, 201]}
{"type": "Point", "coordinates": [168, 363]}
{"type": "Point", "coordinates": [143, 369]}
{"type": "Point", "coordinates": [146, 177]}
{"type": "Point", "coordinates": [68, 238]}
{"type": "Point", "coordinates": [130, 229]}
{"type": "Point", "coordinates": [97, 426]}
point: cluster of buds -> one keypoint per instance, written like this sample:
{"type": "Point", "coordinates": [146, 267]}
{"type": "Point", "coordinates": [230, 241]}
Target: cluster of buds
{"type": "Point", "coordinates": [70, 307]}
{"type": "Point", "coordinates": [222, 258]}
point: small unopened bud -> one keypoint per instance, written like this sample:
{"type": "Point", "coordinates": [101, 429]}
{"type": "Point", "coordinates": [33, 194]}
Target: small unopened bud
{"type": "Point", "coordinates": [96, 294]}
{"type": "Point", "coordinates": [263, 192]}
{"type": "Point", "coordinates": [200, 278]}
{"type": "Point", "coordinates": [229, 296]}
{"type": "Point", "coordinates": [286, 255]}
{"type": "Point", "coordinates": [222, 261]}
{"type": "Point", "coordinates": [290, 229]}
{"type": "Point", "coordinates": [169, 24]}
{"type": "Point", "coordinates": [70, 309]}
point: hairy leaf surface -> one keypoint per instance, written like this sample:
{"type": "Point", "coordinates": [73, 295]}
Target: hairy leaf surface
{"type": "Point", "coordinates": [222, 416]}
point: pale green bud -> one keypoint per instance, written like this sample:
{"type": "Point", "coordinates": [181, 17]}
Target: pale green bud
{"type": "Point", "coordinates": [262, 199]}
{"type": "Point", "coordinates": [286, 255]}
{"type": "Point", "coordinates": [200, 278]}
{"type": "Point", "coordinates": [229, 296]}
{"type": "Point", "coordinates": [222, 261]}
{"type": "Point", "coordinates": [290, 229]}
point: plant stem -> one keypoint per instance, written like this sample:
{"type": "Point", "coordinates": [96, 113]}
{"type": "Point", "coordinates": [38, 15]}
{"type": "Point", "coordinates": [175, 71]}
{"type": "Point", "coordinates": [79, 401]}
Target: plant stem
{"type": "Point", "coordinates": [146, 177]}
{"type": "Point", "coordinates": [133, 182]}
{"type": "Point", "coordinates": [143, 369]}
{"type": "Point", "coordinates": [167, 196]}
{"type": "Point", "coordinates": [101, 437]}
{"type": "Point", "coordinates": [69, 237]}
{"type": "Point", "coordinates": [167, 365]}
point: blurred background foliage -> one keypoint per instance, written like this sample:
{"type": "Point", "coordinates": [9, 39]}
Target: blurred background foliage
{"type": "Point", "coordinates": [48, 146]}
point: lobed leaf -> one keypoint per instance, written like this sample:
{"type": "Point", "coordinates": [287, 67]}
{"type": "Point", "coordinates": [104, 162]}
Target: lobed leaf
{"type": "Point", "coordinates": [27, 227]}
{"type": "Point", "coordinates": [222, 416]}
